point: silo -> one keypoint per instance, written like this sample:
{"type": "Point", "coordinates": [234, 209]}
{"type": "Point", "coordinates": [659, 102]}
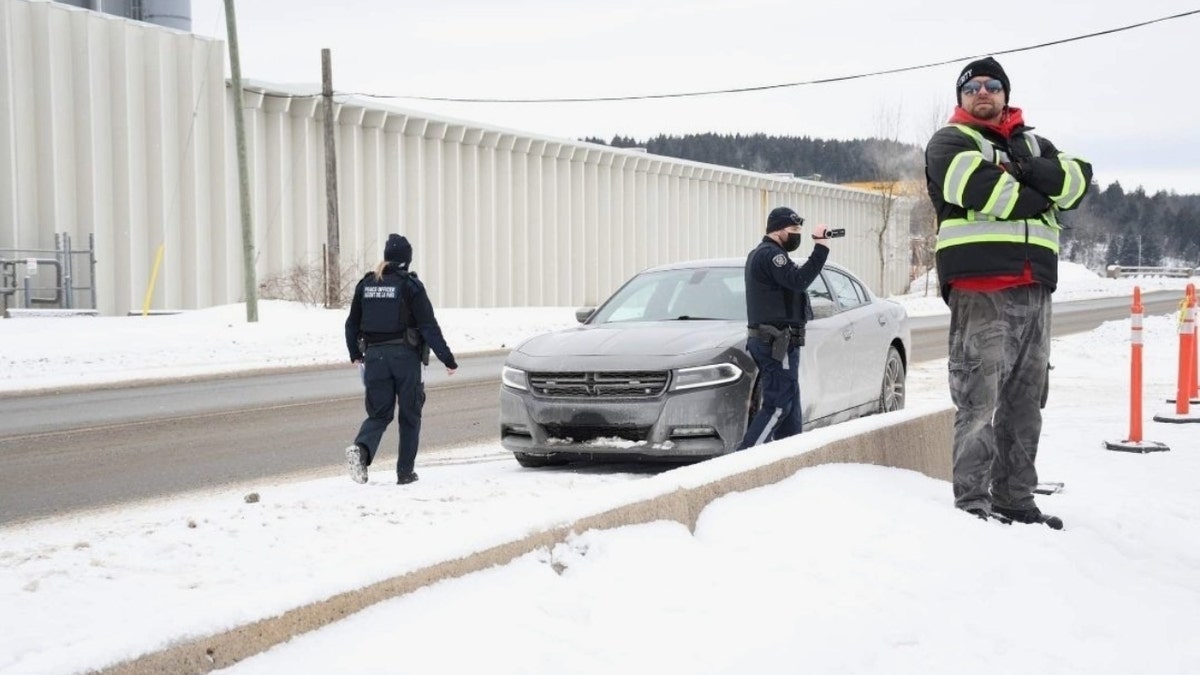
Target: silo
{"type": "Point", "coordinates": [175, 14]}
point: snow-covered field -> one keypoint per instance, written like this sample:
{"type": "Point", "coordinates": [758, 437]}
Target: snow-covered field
{"type": "Point", "coordinates": [846, 569]}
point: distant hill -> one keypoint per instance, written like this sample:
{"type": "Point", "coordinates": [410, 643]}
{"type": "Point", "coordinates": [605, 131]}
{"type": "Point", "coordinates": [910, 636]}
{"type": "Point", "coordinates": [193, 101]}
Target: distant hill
{"type": "Point", "coordinates": [1111, 226]}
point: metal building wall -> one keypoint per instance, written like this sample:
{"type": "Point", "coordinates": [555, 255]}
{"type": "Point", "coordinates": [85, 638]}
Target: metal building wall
{"type": "Point", "coordinates": [126, 130]}
{"type": "Point", "coordinates": [501, 218]}
{"type": "Point", "coordinates": [117, 128]}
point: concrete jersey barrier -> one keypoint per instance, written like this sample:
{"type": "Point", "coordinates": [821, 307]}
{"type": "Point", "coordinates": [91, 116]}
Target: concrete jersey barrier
{"type": "Point", "coordinates": [915, 439]}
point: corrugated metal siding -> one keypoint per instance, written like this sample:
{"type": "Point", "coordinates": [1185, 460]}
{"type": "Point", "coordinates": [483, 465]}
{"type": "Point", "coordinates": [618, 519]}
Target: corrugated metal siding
{"type": "Point", "coordinates": [126, 130]}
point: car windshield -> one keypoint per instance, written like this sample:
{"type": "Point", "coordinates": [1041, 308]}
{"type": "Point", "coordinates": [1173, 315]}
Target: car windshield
{"type": "Point", "coordinates": [713, 293]}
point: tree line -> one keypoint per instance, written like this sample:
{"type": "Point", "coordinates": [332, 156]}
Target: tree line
{"type": "Point", "coordinates": [1111, 226]}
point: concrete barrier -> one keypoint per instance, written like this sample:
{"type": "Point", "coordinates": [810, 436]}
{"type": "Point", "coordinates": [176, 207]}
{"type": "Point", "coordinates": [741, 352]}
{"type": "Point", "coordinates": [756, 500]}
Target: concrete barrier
{"type": "Point", "coordinates": [915, 439]}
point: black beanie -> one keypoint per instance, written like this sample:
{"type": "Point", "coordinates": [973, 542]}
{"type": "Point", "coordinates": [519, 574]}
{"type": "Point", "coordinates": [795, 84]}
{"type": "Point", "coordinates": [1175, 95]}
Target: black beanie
{"type": "Point", "coordinates": [397, 250]}
{"type": "Point", "coordinates": [985, 66]}
{"type": "Point", "coordinates": [782, 217]}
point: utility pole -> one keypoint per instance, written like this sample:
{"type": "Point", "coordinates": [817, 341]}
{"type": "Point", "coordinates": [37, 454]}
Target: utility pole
{"type": "Point", "coordinates": [239, 126]}
{"type": "Point", "coordinates": [333, 276]}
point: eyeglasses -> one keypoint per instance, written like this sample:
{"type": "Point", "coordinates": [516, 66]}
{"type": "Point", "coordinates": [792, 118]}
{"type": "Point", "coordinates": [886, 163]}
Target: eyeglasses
{"type": "Point", "coordinates": [993, 86]}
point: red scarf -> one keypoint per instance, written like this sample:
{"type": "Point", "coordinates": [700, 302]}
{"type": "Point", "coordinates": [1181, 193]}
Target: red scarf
{"type": "Point", "coordinates": [1010, 120]}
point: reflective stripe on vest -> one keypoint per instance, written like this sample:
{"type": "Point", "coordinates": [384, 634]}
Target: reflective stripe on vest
{"type": "Point", "coordinates": [978, 228]}
{"type": "Point", "coordinates": [1074, 186]}
{"type": "Point", "coordinates": [1004, 195]}
{"type": "Point", "coordinates": [989, 224]}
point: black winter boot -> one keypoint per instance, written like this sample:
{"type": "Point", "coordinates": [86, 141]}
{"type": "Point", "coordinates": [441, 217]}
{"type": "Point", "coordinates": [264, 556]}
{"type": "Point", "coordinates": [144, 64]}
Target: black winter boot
{"type": "Point", "coordinates": [1030, 516]}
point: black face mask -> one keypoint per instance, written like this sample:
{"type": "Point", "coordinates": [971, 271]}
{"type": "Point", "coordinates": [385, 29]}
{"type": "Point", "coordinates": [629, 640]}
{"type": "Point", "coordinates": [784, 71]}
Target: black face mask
{"type": "Point", "coordinates": [793, 242]}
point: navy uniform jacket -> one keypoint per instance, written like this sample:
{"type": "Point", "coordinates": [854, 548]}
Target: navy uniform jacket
{"type": "Point", "coordinates": [776, 287]}
{"type": "Point", "coordinates": [382, 309]}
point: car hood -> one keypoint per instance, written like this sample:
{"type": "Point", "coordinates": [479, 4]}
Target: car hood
{"type": "Point", "coordinates": [649, 338]}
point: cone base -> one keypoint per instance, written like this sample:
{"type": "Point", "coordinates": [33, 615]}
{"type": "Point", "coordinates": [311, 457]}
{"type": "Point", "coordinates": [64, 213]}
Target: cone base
{"type": "Point", "coordinates": [1136, 446]}
{"type": "Point", "coordinates": [1176, 418]}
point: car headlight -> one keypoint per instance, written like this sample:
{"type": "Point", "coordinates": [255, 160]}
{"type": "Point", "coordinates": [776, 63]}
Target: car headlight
{"type": "Point", "coordinates": [513, 377]}
{"type": "Point", "coordinates": [705, 376]}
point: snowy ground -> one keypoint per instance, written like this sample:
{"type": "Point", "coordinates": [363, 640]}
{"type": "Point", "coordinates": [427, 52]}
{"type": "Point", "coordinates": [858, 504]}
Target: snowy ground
{"type": "Point", "coordinates": [847, 569]}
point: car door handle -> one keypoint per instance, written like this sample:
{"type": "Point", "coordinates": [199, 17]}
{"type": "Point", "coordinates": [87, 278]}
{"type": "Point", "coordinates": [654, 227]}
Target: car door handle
{"type": "Point", "coordinates": [882, 320]}
{"type": "Point", "coordinates": [847, 333]}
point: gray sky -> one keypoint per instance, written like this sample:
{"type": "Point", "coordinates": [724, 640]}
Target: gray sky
{"type": "Point", "coordinates": [1126, 101]}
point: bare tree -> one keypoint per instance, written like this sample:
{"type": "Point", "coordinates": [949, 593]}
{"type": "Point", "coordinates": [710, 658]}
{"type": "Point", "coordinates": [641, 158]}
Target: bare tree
{"type": "Point", "coordinates": [895, 167]}
{"type": "Point", "coordinates": [924, 224]}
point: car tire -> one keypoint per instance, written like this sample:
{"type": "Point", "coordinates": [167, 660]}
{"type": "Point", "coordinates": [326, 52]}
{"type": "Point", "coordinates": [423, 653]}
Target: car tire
{"type": "Point", "coordinates": [536, 461]}
{"type": "Point", "coordinates": [891, 392]}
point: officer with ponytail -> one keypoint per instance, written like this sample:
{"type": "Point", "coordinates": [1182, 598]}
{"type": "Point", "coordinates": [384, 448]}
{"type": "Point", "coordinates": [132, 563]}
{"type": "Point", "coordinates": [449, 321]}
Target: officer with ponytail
{"type": "Point", "coordinates": [389, 333]}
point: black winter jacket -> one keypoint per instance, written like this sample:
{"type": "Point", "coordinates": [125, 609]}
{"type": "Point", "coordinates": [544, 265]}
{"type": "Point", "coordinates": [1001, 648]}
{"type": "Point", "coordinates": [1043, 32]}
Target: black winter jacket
{"type": "Point", "coordinates": [969, 184]}
{"type": "Point", "coordinates": [389, 313]}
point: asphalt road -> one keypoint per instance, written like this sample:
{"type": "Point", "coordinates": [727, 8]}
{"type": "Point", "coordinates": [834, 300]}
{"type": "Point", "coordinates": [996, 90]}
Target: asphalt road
{"type": "Point", "coordinates": [76, 450]}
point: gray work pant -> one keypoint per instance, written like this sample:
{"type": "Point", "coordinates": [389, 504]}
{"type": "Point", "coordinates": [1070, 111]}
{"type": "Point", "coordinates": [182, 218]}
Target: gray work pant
{"type": "Point", "coordinates": [999, 354]}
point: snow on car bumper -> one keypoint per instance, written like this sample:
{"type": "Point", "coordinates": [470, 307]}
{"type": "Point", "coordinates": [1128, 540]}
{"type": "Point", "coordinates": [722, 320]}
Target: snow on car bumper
{"type": "Point", "coordinates": [682, 424]}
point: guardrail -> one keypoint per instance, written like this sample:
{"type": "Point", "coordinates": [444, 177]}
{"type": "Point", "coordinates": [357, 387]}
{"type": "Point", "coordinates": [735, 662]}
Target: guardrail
{"type": "Point", "coordinates": [1124, 271]}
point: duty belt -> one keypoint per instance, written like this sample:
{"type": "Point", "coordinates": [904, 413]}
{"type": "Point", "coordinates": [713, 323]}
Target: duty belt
{"type": "Point", "coordinates": [780, 338]}
{"type": "Point", "coordinates": [396, 341]}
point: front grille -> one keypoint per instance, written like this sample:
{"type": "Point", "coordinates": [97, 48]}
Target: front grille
{"type": "Point", "coordinates": [580, 433]}
{"type": "Point", "coordinates": [590, 384]}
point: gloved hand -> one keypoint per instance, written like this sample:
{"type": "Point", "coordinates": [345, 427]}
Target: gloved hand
{"type": "Point", "coordinates": [1020, 157]}
{"type": "Point", "coordinates": [1018, 148]}
{"type": "Point", "coordinates": [1018, 169]}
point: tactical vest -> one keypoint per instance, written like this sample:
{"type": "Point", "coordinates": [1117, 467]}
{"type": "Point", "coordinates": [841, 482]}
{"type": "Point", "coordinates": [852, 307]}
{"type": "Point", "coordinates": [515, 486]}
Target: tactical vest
{"type": "Point", "coordinates": [383, 305]}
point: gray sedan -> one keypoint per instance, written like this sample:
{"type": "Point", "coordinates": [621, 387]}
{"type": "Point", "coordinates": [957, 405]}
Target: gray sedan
{"type": "Point", "coordinates": [661, 371]}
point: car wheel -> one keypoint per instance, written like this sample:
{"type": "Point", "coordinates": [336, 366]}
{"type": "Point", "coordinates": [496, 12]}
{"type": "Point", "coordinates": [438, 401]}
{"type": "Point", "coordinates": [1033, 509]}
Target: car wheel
{"type": "Point", "coordinates": [536, 461]}
{"type": "Point", "coordinates": [891, 394]}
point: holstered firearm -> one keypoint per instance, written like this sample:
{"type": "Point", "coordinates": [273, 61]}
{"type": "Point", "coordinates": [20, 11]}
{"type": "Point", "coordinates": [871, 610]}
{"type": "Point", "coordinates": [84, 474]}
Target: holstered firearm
{"type": "Point", "coordinates": [413, 338]}
{"type": "Point", "coordinates": [781, 339]}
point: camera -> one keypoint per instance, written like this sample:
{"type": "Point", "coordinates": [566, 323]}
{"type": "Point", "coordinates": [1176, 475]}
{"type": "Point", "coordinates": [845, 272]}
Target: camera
{"type": "Point", "coordinates": [832, 234]}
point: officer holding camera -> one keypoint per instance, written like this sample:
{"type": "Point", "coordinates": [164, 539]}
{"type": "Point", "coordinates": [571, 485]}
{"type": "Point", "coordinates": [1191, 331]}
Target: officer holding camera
{"type": "Point", "coordinates": [392, 321]}
{"type": "Point", "coordinates": [777, 310]}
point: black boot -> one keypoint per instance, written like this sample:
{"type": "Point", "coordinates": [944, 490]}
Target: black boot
{"type": "Point", "coordinates": [1030, 516]}
{"type": "Point", "coordinates": [407, 478]}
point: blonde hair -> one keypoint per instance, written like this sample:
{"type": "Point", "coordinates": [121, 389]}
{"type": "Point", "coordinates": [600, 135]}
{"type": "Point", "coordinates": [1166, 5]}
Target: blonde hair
{"type": "Point", "coordinates": [379, 270]}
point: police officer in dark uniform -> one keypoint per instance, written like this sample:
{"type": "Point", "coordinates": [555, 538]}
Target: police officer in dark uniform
{"type": "Point", "coordinates": [777, 309]}
{"type": "Point", "coordinates": [392, 320]}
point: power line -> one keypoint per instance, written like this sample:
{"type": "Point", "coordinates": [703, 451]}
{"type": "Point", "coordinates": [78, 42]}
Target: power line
{"type": "Point", "coordinates": [766, 87]}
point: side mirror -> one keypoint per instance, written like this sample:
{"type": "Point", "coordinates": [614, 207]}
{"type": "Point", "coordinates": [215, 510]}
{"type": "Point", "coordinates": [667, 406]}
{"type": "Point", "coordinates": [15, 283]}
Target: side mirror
{"type": "Point", "coordinates": [583, 313]}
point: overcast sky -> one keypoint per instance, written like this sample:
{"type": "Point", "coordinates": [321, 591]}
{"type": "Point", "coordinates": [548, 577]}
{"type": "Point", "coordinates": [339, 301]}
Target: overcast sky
{"type": "Point", "coordinates": [1123, 101]}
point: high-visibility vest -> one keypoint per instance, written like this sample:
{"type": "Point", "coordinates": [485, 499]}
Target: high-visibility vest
{"type": "Point", "coordinates": [989, 224]}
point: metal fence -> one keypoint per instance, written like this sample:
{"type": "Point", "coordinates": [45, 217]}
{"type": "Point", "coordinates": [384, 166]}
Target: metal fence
{"type": "Point", "coordinates": [58, 278]}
